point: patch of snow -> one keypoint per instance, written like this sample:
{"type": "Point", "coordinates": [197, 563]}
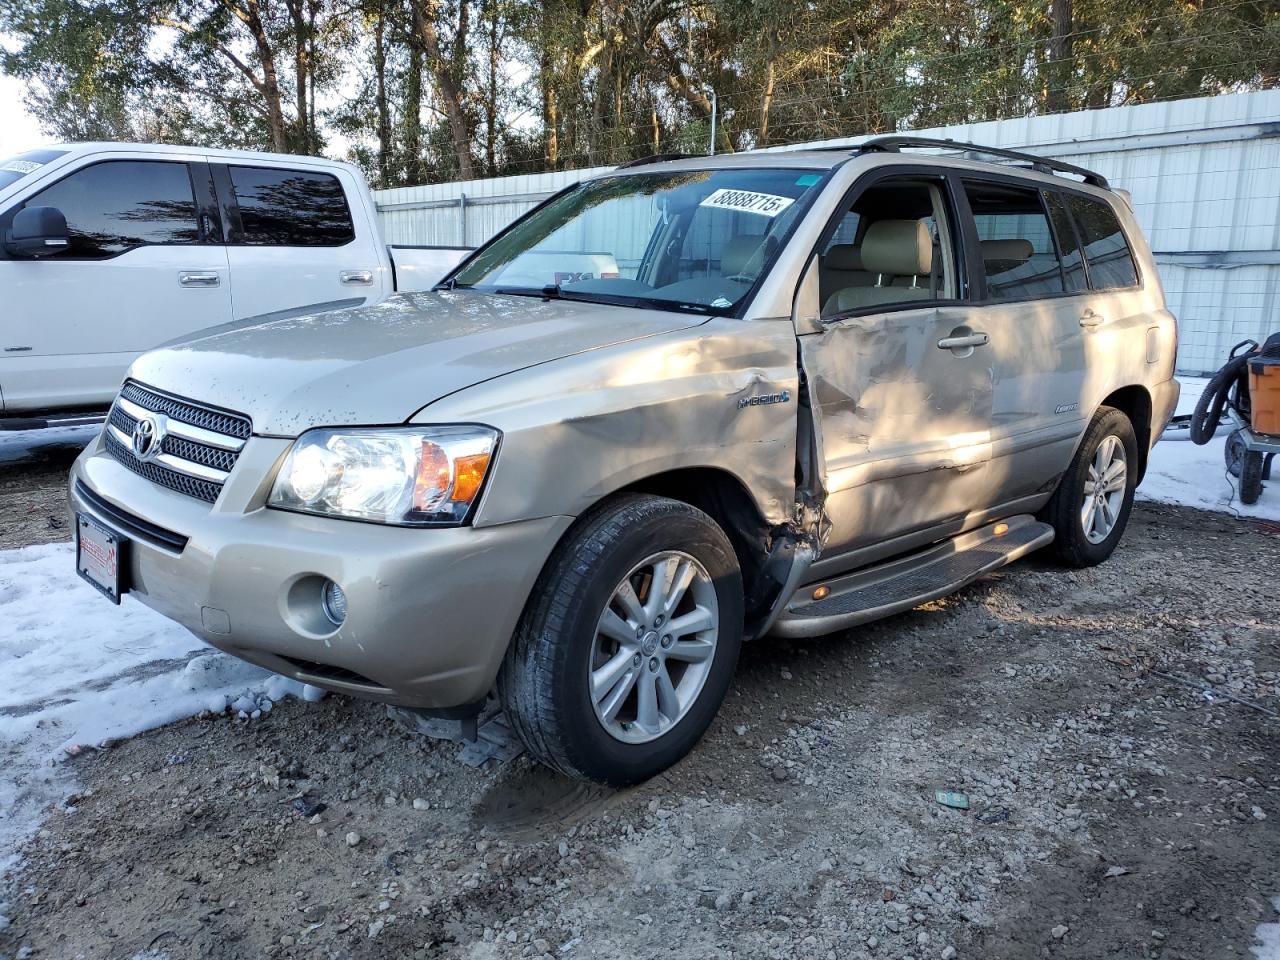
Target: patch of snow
{"type": "Point", "coordinates": [1179, 472]}
{"type": "Point", "coordinates": [79, 671]}
{"type": "Point", "coordinates": [1268, 937]}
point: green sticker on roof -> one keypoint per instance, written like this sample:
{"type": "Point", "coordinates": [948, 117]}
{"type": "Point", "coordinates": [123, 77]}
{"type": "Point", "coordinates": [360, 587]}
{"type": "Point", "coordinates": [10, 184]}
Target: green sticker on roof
{"type": "Point", "coordinates": [808, 180]}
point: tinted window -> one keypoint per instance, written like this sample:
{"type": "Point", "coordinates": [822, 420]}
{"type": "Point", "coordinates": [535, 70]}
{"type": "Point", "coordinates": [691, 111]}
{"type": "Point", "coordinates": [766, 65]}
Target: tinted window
{"type": "Point", "coordinates": [1068, 244]}
{"type": "Point", "coordinates": [14, 169]}
{"type": "Point", "coordinates": [115, 206]}
{"type": "Point", "coordinates": [291, 208]}
{"type": "Point", "coordinates": [1018, 253]}
{"type": "Point", "coordinates": [1110, 260]}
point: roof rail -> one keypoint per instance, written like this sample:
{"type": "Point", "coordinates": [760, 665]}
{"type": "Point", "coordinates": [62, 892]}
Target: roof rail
{"type": "Point", "coordinates": [893, 143]}
{"type": "Point", "coordinates": [658, 158]}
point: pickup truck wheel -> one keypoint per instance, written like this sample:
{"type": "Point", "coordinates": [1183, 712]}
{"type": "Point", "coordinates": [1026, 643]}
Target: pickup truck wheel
{"type": "Point", "coordinates": [628, 644]}
{"type": "Point", "coordinates": [1090, 508]}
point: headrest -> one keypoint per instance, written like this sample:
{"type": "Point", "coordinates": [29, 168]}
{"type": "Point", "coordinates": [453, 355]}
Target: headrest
{"type": "Point", "coordinates": [842, 256]}
{"type": "Point", "coordinates": [901, 248]}
{"type": "Point", "coordinates": [1011, 251]}
{"type": "Point", "coordinates": [739, 254]}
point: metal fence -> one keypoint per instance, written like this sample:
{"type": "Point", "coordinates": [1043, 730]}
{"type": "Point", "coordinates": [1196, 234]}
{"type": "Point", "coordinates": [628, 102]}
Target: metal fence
{"type": "Point", "coordinates": [1204, 175]}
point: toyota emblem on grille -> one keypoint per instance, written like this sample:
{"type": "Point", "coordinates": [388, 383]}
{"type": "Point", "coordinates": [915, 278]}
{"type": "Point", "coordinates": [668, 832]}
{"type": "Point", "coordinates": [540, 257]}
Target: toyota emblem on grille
{"type": "Point", "coordinates": [148, 435]}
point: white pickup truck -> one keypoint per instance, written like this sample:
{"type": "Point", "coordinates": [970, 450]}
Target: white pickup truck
{"type": "Point", "coordinates": [110, 249]}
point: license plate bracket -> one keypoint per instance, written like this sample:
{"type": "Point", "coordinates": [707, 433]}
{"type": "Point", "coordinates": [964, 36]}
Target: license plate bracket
{"type": "Point", "coordinates": [100, 557]}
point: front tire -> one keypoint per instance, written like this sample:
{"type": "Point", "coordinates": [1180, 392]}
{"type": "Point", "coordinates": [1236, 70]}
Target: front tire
{"type": "Point", "coordinates": [630, 639]}
{"type": "Point", "coordinates": [1090, 508]}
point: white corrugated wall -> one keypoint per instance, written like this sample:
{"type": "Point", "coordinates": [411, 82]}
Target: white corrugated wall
{"type": "Point", "coordinates": [1204, 175]}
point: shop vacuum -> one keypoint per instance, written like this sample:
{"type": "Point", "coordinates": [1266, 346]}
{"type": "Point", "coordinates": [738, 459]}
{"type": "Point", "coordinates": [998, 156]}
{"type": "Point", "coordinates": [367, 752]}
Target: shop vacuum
{"type": "Point", "coordinates": [1247, 391]}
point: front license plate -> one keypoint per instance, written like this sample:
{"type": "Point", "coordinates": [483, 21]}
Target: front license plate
{"type": "Point", "coordinates": [100, 555]}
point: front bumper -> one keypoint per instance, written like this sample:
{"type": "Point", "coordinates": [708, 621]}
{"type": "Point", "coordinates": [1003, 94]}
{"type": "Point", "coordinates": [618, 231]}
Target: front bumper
{"type": "Point", "coordinates": [430, 611]}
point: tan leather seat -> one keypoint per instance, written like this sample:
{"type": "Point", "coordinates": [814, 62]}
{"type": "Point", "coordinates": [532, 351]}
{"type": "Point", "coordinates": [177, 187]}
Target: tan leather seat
{"type": "Point", "coordinates": [1001, 255]}
{"type": "Point", "coordinates": [840, 267]}
{"type": "Point", "coordinates": [900, 254]}
{"type": "Point", "coordinates": [742, 255]}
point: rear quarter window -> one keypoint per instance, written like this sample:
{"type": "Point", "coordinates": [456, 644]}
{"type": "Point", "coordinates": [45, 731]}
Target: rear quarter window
{"type": "Point", "coordinates": [291, 208]}
{"type": "Point", "coordinates": [1106, 249]}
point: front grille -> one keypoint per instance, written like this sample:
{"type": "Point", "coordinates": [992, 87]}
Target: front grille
{"type": "Point", "coordinates": [198, 447]}
{"type": "Point", "coordinates": [219, 421]}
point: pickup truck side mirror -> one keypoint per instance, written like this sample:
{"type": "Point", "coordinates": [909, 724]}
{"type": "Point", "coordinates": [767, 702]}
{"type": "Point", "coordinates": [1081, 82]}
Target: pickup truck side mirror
{"type": "Point", "coordinates": [37, 232]}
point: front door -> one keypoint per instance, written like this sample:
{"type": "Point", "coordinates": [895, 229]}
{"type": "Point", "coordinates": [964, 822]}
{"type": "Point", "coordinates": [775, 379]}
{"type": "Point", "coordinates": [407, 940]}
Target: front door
{"type": "Point", "coordinates": [899, 381]}
{"type": "Point", "coordinates": [142, 268]}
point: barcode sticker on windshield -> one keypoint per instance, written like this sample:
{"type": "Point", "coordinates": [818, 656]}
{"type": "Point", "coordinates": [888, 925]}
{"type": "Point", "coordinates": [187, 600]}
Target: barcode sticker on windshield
{"type": "Point", "coordinates": [744, 201]}
{"type": "Point", "coordinates": [20, 166]}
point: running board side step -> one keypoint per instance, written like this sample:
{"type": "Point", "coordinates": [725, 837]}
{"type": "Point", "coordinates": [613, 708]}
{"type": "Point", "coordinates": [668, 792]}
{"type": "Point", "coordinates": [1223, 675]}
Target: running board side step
{"type": "Point", "coordinates": [49, 420]}
{"type": "Point", "coordinates": [905, 583]}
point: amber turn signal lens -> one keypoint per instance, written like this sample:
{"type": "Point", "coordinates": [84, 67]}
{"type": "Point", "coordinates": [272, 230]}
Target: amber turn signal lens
{"type": "Point", "coordinates": [1000, 529]}
{"type": "Point", "coordinates": [468, 474]}
{"type": "Point", "coordinates": [821, 592]}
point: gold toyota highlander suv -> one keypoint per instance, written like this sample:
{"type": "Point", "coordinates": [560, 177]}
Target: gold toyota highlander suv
{"type": "Point", "coordinates": [685, 404]}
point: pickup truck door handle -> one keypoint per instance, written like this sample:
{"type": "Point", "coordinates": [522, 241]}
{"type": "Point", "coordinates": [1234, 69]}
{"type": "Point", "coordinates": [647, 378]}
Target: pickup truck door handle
{"type": "Point", "coordinates": [1090, 319]}
{"type": "Point", "coordinates": [356, 278]}
{"type": "Point", "coordinates": [961, 342]}
{"type": "Point", "coordinates": [198, 278]}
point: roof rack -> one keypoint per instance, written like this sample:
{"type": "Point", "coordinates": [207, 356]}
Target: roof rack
{"type": "Point", "coordinates": [894, 143]}
{"type": "Point", "coordinates": [658, 158]}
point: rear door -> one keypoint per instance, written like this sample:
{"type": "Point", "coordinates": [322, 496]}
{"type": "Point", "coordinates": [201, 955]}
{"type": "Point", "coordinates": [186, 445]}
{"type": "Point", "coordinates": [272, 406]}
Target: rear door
{"type": "Point", "coordinates": [145, 265]}
{"type": "Point", "coordinates": [902, 394]}
{"type": "Point", "coordinates": [295, 240]}
{"type": "Point", "coordinates": [1030, 291]}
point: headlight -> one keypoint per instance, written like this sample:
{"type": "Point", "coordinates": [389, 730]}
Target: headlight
{"type": "Point", "coordinates": [402, 475]}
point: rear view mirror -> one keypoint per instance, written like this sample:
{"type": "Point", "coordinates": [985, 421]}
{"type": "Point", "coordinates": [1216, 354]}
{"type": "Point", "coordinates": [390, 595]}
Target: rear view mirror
{"type": "Point", "coordinates": [37, 232]}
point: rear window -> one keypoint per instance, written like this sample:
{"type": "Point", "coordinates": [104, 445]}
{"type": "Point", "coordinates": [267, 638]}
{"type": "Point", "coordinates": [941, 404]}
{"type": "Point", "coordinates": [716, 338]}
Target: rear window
{"type": "Point", "coordinates": [1016, 242]}
{"type": "Point", "coordinates": [1111, 265]}
{"type": "Point", "coordinates": [1068, 242]}
{"type": "Point", "coordinates": [291, 208]}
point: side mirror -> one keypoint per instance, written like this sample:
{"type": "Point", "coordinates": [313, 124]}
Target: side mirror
{"type": "Point", "coordinates": [37, 232]}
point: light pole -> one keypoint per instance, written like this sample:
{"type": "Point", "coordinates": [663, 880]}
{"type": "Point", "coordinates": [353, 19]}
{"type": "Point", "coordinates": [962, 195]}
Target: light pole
{"type": "Point", "coordinates": [714, 110]}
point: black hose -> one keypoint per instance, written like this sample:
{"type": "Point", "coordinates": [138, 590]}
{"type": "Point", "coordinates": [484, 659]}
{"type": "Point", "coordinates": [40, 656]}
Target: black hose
{"type": "Point", "coordinates": [1216, 397]}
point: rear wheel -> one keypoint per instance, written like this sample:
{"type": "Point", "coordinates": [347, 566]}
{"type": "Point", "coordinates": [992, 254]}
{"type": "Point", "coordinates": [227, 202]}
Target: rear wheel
{"type": "Point", "coordinates": [628, 644]}
{"type": "Point", "coordinates": [1091, 506]}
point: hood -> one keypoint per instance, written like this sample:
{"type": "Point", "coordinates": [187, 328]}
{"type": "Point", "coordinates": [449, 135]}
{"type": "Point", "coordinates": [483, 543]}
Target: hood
{"type": "Point", "coordinates": [381, 364]}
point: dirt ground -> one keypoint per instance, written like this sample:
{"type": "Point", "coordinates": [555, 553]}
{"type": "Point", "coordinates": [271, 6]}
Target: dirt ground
{"type": "Point", "coordinates": [1115, 731]}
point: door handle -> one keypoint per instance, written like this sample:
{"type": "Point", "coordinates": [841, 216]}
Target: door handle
{"type": "Point", "coordinates": [1090, 319]}
{"type": "Point", "coordinates": [969, 340]}
{"type": "Point", "coordinates": [198, 278]}
{"type": "Point", "coordinates": [356, 278]}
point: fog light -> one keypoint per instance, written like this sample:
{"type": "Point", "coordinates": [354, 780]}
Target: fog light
{"type": "Point", "coordinates": [334, 602]}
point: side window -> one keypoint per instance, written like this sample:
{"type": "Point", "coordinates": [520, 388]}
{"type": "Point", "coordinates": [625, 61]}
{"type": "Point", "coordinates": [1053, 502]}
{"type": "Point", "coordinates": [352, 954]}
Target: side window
{"type": "Point", "coordinates": [1018, 253]}
{"type": "Point", "coordinates": [892, 247]}
{"type": "Point", "coordinates": [1111, 264]}
{"type": "Point", "coordinates": [291, 208]}
{"type": "Point", "coordinates": [115, 206]}
{"type": "Point", "coordinates": [1068, 243]}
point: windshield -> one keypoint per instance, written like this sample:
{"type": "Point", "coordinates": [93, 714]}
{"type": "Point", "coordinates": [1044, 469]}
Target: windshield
{"type": "Point", "coordinates": [15, 168]}
{"type": "Point", "coordinates": [691, 240]}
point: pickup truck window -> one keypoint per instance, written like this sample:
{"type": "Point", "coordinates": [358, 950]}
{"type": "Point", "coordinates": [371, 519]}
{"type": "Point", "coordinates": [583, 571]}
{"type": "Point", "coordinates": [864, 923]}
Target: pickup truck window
{"type": "Point", "coordinates": [13, 169]}
{"type": "Point", "coordinates": [695, 239]}
{"type": "Point", "coordinates": [291, 208]}
{"type": "Point", "coordinates": [114, 206]}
